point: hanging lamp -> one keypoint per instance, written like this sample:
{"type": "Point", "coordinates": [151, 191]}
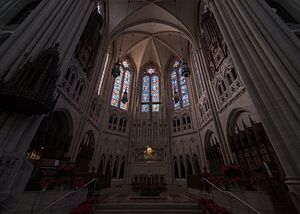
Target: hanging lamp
{"type": "Point", "coordinates": [116, 71]}
{"type": "Point", "coordinates": [176, 97]}
{"type": "Point", "coordinates": [125, 97]}
{"type": "Point", "coordinates": [185, 70]}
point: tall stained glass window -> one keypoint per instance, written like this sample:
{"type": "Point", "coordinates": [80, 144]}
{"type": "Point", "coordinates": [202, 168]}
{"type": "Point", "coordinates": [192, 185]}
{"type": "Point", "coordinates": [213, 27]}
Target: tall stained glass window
{"type": "Point", "coordinates": [179, 85]}
{"type": "Point", "coordinates": [150, 91]}
{"type": "Point", "coordinates": [122, 84]}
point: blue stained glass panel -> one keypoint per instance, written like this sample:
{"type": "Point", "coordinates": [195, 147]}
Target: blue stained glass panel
{"type": "Point", "coordinates": [175, 88]}
{"type": "Point", "coordinates": [184, 90]}
{"type": "Point", "coordinates": [145, 108]}
{"type": "Point", "coordinates": [146, 89]}
{"type": "Point", "coordinates": [155, 88]}
{"type": "Point", "coordinates": [155, 107]}
{"type": "Point", "coordinates": [126, 85]}
{"type": "Point", "coordinates": [116, 91]}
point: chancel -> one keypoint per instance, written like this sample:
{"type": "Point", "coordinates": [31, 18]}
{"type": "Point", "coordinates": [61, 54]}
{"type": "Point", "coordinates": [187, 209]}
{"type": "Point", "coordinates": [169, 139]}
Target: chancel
{"type": "Point", "coordinates": [143, 106]}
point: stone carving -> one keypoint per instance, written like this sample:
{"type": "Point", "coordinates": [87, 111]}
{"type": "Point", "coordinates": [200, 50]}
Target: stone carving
{"type": "Point", "coordinates": [148, 154]}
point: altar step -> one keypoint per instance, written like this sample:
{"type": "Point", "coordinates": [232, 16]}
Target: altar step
{"type": "Point", "coordinates": [147, 208]}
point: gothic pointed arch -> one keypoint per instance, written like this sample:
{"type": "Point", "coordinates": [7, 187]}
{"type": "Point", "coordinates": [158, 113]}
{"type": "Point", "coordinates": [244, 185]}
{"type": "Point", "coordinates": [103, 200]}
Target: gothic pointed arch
{"type": "Point", "coordinates": [115, 168]}
{"type": "Point", "coordinates": [179, 85]}
{"type": "Point", "coordinates": [250, 143]}
{"type": "Point", "coordinates": [53, 137]}
{"type": "Point", "coordinates": [150, 88]}
{"type": "Point", "coordinates": [86, 151]}
{"type": "Point", "coordinates": [122, 168]}
{"type": "Point", "coordinates": [122, 84]}
{"type": "Point", "coordinates": [101, 165]}
{"type": "Point", "coordinates": [176, 171]}
{"type": "Point", "coordinates": [196, 164]}
{"type": "Point", "coordinates": [213, 151]}
{"type": "Point", "coordinates": [182, 168]}
{"type": "Point", "coordinates": [190, 170]}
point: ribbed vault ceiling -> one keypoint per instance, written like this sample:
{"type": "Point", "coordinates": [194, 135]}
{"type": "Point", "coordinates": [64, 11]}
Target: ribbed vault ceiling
{"type": "Point", "coordinates": [150, 31]}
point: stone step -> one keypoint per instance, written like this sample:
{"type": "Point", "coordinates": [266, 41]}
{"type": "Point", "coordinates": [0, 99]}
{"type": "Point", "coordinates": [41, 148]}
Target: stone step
{"type": "Point", "coordinates": [139, 211]}
{"type": "Point", "coordinates": [148, 208]}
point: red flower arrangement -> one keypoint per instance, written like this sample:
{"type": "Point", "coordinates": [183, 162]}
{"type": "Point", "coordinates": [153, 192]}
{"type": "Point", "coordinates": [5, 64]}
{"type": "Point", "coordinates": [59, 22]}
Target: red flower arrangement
{"type": "Point", "coordinates": [78, 182]}
{"type": "Point", "coordinates": [67, 170]}
{"type": "Point", "coordinates": [255, 180]}
{"type": "Point", "coordinates": [47, 181]}
{"type": "Point", "coordinates": [84, 208]}
{"type": "Point", "coordinates": [219, 181]}
{"type": "Point", "coordinates": [212, 207]}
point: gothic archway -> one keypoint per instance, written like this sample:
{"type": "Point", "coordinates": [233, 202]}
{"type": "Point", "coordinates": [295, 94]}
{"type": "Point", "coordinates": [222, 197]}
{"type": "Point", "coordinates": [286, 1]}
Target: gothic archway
{"type": "Point", "coordinates": [251, 145]}
{"type": "Point", "coordinates": [213, 151]}
{"type": "Point", "coordinates": [182, 168]}
{"type": "Point", "coordinates": [196, 165]}
{"type": "Point", "coordinates": [122, 169]}
{"type": "Point", "coordinates": [115, 168]}
{"type": "Point", "coordinates": [176, 171]}
{"type": "Point", "coordinates": [101, 165]}
{"type": "Point", "coordinates": [86, 151]}
{"type": "Point", "coordinates": [53, 137]}
{"type": "Point", "coordinates": [189, 165]}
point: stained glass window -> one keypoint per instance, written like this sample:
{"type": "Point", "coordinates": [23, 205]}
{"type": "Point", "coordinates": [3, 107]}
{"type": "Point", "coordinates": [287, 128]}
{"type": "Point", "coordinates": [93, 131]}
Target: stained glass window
{"type": "Point", "coordinates": [150, 86]}
{"type": "Point", "coordinates": [126, 84]}
{"type": "Point", "coordinates": [121, 82]}
{"type": "Point", "coordinates": [179, 85]}
{"type": "Point", "coordinates": [175, 88]}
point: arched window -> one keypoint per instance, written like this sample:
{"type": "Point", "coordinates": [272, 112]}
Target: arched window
{"type": "Point", "coordinates": [179, 86]}
{"type": "Point", "coordinates": [122, 84]}
{"type": "Point", "coordinates": [150, 90]}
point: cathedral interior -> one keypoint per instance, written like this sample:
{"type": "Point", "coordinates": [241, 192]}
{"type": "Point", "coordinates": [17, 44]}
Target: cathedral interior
{"type": "Point", "coordinates": [150, 106]}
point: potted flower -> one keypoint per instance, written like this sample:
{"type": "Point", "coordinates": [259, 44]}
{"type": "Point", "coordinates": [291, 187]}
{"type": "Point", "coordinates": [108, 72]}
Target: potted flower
{"type": "Point", "coordinates": [255, 182]}
{"type": "Point", "coordinates": [84, 208]}
{"type": "Point", "coordinates": [78, 182]}
{"type": "Point", "coordinates": [46, 182]}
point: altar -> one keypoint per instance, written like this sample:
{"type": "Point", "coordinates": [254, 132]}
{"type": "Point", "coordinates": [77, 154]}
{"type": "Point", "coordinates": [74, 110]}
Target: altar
{"type": "Point", "coordinates": [149, 184]}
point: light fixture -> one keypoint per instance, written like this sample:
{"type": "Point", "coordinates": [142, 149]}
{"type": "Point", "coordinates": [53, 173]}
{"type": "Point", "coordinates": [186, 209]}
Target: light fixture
{"type": "Point", "coordinates": [116, 71]}
{"type": "Point", "coordinates": [125, 97]}
{"type": "Point", "coordinates": [185, 71]}
{"type": "Point", "coordinates": [176, 97]}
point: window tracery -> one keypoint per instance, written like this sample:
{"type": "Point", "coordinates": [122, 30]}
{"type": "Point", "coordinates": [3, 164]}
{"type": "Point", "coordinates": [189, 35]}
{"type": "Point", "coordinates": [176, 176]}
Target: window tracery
{"type": "Point", "coordinates": [179, 86]}
{"type": "Point", "coordinates": [182, 124]}
{"type": "Point", "coordinates": [150, 90]}
{"type": "Point", "coordinates": [74, 83]}
{"type": "Point", "coordinates": [122, 84]}
{"type": "Point", "coordinates": [115, 124]}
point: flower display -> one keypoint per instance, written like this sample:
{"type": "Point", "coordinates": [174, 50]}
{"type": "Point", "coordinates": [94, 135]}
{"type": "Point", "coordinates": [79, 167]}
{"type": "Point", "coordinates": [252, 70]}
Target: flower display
{"type": "Point", "coordinates": [68, 170]}
{"type": "Point", "coordinates": [84, 208]}
{"type": "Point", "coordinates": [47, 181]}
{"type": "Point", "coordinates": [254, 180]}
{"type": "Point", "coordinates": [65, 178]}
{"type": "Point", "coordinates": [79, 182]}
{"type": "Point", "coordinates": [212, 207]}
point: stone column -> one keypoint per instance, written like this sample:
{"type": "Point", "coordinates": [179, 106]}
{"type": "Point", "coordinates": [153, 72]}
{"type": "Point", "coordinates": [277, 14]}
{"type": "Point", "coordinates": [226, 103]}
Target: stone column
{"type": "Point", "coordinates": [267, 56]}
{"type": "Point", "coordinates": [202, 61]}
